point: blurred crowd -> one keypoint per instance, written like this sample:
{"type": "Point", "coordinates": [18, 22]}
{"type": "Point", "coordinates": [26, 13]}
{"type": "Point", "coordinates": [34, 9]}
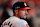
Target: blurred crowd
{"type": "Point", "coordinates": [6, 10]}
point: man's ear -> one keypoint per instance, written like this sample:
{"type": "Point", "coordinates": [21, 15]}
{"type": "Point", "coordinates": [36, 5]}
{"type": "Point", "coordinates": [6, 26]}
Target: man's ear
{"type": "Point", "coordinates": [16, 11]}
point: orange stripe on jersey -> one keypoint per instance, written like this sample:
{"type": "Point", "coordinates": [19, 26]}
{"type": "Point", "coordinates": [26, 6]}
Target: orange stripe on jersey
{"type": "Point", "coordinates": [26, 25]}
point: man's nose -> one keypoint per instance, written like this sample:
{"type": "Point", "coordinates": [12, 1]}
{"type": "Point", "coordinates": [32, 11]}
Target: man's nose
{"type": "Point", "coordinates": [26, 12]}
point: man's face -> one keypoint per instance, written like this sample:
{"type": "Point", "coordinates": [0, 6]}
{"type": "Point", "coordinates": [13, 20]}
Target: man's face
{"type": "Point", "coordinates": [23, 13]}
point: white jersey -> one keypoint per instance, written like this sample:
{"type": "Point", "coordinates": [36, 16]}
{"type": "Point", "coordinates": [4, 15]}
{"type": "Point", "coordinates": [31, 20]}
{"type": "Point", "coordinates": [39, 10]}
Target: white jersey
{"type": "Point", "coordinates": [14, 22]}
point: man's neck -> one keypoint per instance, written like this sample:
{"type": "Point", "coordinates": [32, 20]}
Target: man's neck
{"type": "Point", "coordinates": [16, 15]}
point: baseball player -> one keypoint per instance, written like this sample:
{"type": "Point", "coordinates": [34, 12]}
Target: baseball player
{"type": "Point", "coordinates": [20, 11]}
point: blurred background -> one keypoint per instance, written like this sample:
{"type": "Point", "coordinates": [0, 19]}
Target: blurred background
{"type": "Point", "coordinates": [6, 8]}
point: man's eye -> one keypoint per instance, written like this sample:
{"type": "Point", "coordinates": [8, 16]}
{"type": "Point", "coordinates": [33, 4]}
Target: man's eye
{"type": "Point", "coordinates": [28, 9]}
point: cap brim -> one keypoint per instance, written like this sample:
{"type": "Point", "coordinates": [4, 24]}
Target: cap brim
{"type": "Point", "coordinates": [25, 8]}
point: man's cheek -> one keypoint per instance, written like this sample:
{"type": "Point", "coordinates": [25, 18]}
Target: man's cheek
{"type": "Point", "coordinates": [22, 12]}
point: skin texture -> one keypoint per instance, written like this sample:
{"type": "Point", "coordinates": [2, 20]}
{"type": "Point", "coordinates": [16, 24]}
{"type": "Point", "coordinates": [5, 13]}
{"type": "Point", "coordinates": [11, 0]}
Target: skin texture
{"type": "Point", "coordinates": [22, 13]}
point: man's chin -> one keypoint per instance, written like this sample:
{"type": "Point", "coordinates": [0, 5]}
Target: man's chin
{"type": "Point", "coordinates": [23, 18]}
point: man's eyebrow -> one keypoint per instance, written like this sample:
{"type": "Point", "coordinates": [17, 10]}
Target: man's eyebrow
{"type": "Point", "coordinates": [28, 9]}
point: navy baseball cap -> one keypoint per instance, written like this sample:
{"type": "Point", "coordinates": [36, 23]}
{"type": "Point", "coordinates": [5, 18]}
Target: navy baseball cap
{"type": "Point", "coordinates": [21, 6]}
